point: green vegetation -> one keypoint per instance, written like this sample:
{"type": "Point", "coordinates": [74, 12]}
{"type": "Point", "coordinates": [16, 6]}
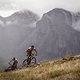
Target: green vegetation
{"type": "Point", "coordinates": [67, 68]}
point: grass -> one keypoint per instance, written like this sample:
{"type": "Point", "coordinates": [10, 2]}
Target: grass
{"type": "Point", "coordinates": [62, 69]}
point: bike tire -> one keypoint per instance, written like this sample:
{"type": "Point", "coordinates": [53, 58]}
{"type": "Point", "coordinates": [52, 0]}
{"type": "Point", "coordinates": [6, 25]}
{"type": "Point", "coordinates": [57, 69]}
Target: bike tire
{"type": "Point", "coordinates": [8, 69]}
{"type": "Point", "coordinates": [24, 63]}
{"type": "Point", "coordinates": [29, 61]}
{"type": "Point", "coordinates": [33, 61]}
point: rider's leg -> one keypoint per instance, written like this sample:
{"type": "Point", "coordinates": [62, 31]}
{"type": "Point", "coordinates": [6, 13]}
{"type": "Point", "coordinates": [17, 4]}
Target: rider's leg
{"type": "Point", "coordinates": [28, 60]}
{"type": "Point", "coordinates": [13, 66]}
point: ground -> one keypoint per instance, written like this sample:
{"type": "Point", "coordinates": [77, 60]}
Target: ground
{"type": "Point", "coordinates": [67, 68]}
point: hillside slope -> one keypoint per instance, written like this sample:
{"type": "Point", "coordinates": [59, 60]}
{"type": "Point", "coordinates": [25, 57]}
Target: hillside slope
{"type": "Point", "coordinates": [62, 69]}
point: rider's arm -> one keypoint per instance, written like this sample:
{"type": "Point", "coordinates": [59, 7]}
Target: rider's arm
{"type": "Point", "coordinates": [35, 51]}
{"type": "Point", "coordinates": [26, 51]}
{"type": "Point", "coordinates": [10, 61]}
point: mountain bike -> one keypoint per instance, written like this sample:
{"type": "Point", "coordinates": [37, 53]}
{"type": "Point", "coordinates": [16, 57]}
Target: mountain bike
{"type": "Point", "coordinates": [10, 68]}
{"type": "Point", "coordinates": [29, 61]}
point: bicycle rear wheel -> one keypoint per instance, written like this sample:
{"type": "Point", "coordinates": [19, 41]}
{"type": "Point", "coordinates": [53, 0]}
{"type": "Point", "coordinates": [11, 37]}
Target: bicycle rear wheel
{"type": "Point", "coordinates": [8, 69]}
{"type": "Point", "coordinates": [24, 63]}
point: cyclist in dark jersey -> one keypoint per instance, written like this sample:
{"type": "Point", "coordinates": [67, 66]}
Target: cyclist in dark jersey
{"type": "Point", "coordinates": [31, 51]}
{"type": "Point", "coordinates": [14, 62]}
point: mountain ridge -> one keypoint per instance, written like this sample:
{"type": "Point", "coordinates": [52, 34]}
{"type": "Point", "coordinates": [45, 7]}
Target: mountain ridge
{"type": "Point", "coordinates": [25, 17]}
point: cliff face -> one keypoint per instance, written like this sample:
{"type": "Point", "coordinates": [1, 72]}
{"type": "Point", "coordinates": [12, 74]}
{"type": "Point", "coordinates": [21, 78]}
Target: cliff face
{"type": "Point", "coordinates": [55, 35]}
{"type": "Point", "coordinates": [76, 21]}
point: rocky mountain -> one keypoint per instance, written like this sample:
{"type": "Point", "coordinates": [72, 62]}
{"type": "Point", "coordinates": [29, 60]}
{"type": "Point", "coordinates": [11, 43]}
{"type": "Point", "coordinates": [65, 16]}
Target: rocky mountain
{"type": "Point", "coordinates": [14, 30]}
{"type": "Point", "coordinates": [54, 35]}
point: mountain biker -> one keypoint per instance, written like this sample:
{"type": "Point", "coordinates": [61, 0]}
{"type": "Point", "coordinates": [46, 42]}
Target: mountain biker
{"type": "Point", "coordinates": [14, 62]}
{"type": "Point", "coordinates": [31, 51]}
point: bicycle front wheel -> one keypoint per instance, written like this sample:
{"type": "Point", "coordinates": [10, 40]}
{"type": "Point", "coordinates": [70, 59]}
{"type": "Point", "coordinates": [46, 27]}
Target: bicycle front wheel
{"type": "Point", "coordinates": [33, 61]}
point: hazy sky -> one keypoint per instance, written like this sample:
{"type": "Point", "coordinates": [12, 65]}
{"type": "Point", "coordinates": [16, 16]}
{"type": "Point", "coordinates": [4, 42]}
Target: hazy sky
{"type": "Point", "coordinates": [7, 7]}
